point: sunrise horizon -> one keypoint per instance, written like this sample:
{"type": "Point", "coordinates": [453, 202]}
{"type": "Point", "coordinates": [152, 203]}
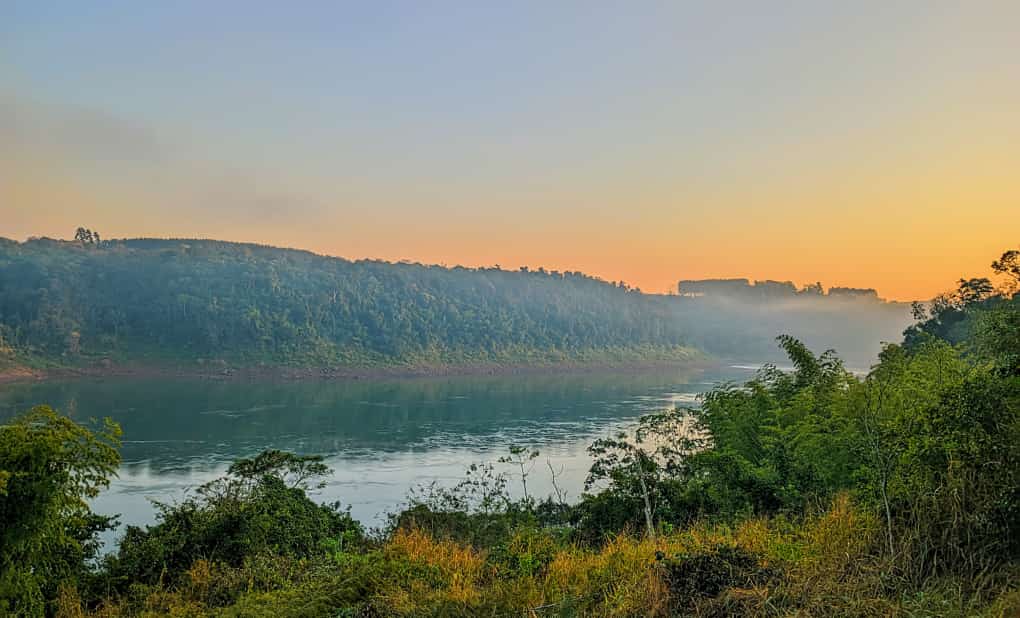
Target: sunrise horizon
{"type": "Point", "coordinates": [860, 147]}
{"type": "Point", "coordinates": [661, 286]}
{"type": "Point", "coordinates": [526, 308]}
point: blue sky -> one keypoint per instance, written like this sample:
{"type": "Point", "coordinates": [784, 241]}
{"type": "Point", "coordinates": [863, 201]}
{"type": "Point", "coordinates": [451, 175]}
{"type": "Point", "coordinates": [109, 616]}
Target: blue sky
{"type": "Point", "coordinates": [643, 141]}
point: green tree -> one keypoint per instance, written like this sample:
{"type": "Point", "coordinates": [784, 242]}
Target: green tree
{"type": "Point", "coordinates": [997, 336]}
{"type": "Point", "coordinates": [295, 471]}
{"type": "Point", "coordinates": [637, 464]}
{"type": "Point", "coordinates": [523, 459]}
{"type": "Point", "coordinates": [1009, 265]}
{"type": "Point", "coordinates": [50, 466]}
{"type": "Point", "coordinates": [86, 236]}
{"type": "Point", "coordinates": [777, 441]}
{"type": "Point", "coordinates": [974, 290]}
{"type": "Point", "coordinates": [958, 483]}
{"type": "Point", "coordinates": [259, 507]}
{"type": "Point", "coordinates": [888, 407]}
{"type": "Point", "coordinates": [814, 289]}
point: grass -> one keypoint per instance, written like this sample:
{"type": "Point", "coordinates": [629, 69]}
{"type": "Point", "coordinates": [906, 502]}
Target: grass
{"type": "Point", "coordinates": [830, 564]}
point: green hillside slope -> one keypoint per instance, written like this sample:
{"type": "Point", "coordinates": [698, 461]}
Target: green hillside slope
{"type": "Point", "coordinates": [160, 301]}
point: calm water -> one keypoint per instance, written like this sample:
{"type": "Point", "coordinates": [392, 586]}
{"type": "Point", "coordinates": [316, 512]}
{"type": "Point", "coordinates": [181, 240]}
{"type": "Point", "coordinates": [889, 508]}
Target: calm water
{"type": "Point", "coordinates": [380, 437]}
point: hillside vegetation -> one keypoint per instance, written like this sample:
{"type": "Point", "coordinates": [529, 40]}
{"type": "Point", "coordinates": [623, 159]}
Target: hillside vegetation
{"type": "Point", "coordinates": [182, 300]}
{"type": "Point", "coordinates": [188, 302]}
{"type": "Point", "coordinates": [808, 492]}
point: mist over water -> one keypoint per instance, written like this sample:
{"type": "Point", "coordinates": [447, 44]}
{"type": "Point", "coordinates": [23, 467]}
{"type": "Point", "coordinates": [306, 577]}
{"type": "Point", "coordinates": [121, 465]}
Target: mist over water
{"type": "Point", "coordinates": [740, 328]}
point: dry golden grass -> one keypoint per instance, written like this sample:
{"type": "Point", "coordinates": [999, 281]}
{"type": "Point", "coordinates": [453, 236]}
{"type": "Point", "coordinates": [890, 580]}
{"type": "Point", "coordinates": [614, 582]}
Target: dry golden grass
{"type": "Point", "coordinates": [439, 573]}
{"type": "Point", "coordinates": [68, 603]}
{"type": "Point", "coordinates": [831, 564]}
{"type": "Point", "coordinates": [620, 580]}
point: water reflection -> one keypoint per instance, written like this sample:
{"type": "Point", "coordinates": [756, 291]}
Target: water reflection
{"type": "Point", "coordinates": [380, 437]}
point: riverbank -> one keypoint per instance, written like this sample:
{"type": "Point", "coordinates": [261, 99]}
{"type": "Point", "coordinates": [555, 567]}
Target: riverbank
{"type": "Point", "coordinates": [18, 373]}
{"type": "Point", "coordinates": [223, 371]}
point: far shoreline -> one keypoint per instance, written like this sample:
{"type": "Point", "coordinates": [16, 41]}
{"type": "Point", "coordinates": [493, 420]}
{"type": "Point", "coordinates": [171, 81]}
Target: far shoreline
{"type": "Point", "coordinates": [278, 373]}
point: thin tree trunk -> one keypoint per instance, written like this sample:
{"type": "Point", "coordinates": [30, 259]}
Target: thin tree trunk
{"type": "Point", "coordinates": [888, 515]}
{"type": "Point", "coordinates": [648, 504]}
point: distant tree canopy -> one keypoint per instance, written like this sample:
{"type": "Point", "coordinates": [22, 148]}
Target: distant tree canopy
{"type": "Point", "coordinates": [1009, 266]}
{"type": "Point", "coordinates": [166, 299]}
{"type": "Point", "coordinates": [978, 316]}
{"type": "Point", "coordinates": [87, 236]}
{"type": "Point", "coordinates": [765, 291]}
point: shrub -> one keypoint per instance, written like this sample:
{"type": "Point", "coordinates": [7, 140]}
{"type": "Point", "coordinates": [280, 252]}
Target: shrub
{"type": "Point", "coordinates": [238, 517]}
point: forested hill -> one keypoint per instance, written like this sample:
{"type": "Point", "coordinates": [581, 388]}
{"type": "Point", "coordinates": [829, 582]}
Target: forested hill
{"type": "Point", "coordinates": [185, 300]}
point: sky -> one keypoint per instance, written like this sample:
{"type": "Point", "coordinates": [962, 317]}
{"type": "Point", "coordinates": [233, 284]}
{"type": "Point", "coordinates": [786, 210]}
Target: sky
{"type": "Point", "coordinates": [867, 144]}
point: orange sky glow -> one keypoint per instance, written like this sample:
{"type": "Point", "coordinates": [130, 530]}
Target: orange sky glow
{"type": "Point", "coordinates": [864, 146]}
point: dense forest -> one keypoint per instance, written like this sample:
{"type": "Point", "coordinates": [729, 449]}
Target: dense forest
{"type": "Point", "coordinates": [183, 300]}
{"type": "Point", "coordinates": [91, 301]}
{"type": "Point", "coordinates": [808, 492]}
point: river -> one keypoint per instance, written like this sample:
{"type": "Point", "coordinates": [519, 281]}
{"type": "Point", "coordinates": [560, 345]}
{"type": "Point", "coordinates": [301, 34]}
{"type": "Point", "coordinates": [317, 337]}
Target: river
{"type": "Point", "coordinates": [380, 437]}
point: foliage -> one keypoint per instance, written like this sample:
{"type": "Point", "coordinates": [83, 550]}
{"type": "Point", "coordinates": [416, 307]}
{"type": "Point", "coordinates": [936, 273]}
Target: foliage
{"type": "Point", "coordinates": [996, 336]}
{"type": "Point", "coordinates": [478, 510]}
{"type": "Point", "coordinates": [1008, 265]}
{"type": "Point", "coordinates": [259, 508]}
{"type": "Point", "coordinates": [810, 492]}
{"type": "Point", "coordinates": [524, 460]}
{"type": "Point", "coordinates": [959, 480]}
{"type": "Point", "coordinates": [222, 304]}
{"type": "Point", "coordinates": [831, 563]}
{"type": "Point", "coordinates": [775, 441]}
{"type": "Point", "coordinates": [638, 465]}
{"type": "Point", "coordinates": [693, 577]}
{"type": "Point", "coordinates": [976, 315]}
{"type": "Point", "coordinates": [156, 301]}
{"type": "Point", "coordinates": [87, 236]}
{"type": "Point", "coordinates": [50, 466]}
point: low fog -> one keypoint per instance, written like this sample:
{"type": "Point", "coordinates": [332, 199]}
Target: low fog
{"type": "Point", "coordinates": [739, 321]}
